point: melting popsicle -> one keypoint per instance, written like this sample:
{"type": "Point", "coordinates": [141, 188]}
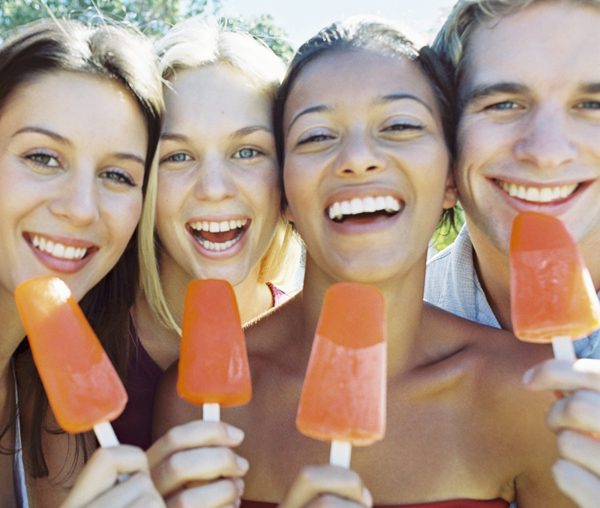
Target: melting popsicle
{"type": "Point", "coordinates": [213, 363]}
{"type": "Point", "coordinates": [83, 388]}
{"type": "Point", "coordinates": [552, 293]}
{"type": "Point", "coordinates": [344, 391]}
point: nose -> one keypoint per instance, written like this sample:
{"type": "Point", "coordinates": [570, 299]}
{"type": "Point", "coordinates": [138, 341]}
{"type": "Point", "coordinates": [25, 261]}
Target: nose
{"type": "Point", "coordinates": [358, 156]}
{"type": "Point", "coordinates": [546, 141]}
{"type": "Point", "coordinates": [214, 181]}
{"type": "Point", "coordinates": [77, 199]}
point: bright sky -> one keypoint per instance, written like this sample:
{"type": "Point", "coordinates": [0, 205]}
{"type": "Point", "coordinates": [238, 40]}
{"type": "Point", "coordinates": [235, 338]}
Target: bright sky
{"type": "Point", "coordinates": [303, 18]}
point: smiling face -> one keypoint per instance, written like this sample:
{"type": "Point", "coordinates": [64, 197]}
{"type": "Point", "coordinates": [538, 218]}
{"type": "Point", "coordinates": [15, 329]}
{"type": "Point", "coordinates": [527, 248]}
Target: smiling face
{"type": "Point", "coordinates": [528, 135]}
{"type": "Point", "coordinates": [72, 151]}
{"type": "Point", "coordinates": [218, 199]}
{"type": "Point", "coordinates": [366, 165]}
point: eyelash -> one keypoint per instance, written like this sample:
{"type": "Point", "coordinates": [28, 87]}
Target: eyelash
{"type": "Point", "coordinates": [119, 177]}
{"type": "Point", "coordinates": [401, 126]}
{"type": "Point", "coordinates": [502, 106]}
{"type": "Point", "coordinates": [42, 159]}
{"type": "Point", "coordinates": [314, 138]}
{"type": "Point", "coordinates": [172, 157]}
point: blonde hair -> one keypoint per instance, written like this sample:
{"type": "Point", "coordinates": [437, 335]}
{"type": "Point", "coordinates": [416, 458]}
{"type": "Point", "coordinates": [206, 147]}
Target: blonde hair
{"type": "Point", "coordinates": [197, 43]}
{"type": "Point", "coordinates": [466, 16]}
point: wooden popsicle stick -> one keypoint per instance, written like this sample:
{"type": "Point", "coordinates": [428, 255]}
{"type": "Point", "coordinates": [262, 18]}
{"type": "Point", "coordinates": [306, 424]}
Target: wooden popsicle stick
{"type": "Point", "coordinates": [563, 348]}
{"type": "Point", "coordinates": [211, 412]}
{"type": "Point", "coordinates": [105, 435]}
{"type": "Point", "coordinates": [340, 453]}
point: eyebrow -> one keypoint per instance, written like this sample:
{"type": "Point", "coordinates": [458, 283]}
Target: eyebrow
{"type": "Point", "coordinates": [382, 100]}
{"type": "Point", "coordinates": [403, 96]}
{"type": "Point", "coordinates": [483, 91]}
{"type": "Point", "coordinates": [591, 88]}
{"type": "Point", "coordinates": [65, 141]}
{"type": "Point", "coordinates": [306, 111]}
{"type": "Point", "coordinates": [45, 132]}
{"type": "Point", "coordinates": [240, 133]}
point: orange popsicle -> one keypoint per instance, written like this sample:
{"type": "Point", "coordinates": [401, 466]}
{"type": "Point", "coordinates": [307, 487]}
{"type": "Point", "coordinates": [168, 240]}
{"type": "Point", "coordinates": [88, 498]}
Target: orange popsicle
{"type": "Point", "coordinates": [343, 396]}
{"type": "Point", "coordinates": [82, 385]}
{"type": "Point", "coordinates": [552, 293]}
{"type": "Point", "coordinates": [213, 364]}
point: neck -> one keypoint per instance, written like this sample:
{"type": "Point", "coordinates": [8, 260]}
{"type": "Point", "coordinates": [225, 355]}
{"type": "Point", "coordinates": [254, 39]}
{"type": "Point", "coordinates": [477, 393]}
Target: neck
{"type": "Point", "coordinates": [404, 307]}
{"type": "Point", "coordinates": [493, 271]}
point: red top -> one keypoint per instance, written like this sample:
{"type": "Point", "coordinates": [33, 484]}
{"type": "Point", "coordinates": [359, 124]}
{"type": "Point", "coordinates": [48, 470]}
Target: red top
{"type": "Point", "coordinates": [456, 503]}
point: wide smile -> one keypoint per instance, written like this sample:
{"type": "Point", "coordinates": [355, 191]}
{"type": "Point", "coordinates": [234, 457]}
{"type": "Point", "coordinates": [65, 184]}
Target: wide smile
{"type": "Point", "coordinates": [364, 208]}
{"type": "Point", "coordinates": [218, 236]}
{"type": "Point", "coordinates": [539, 194]}
{"type": "Point", "coordinates": [60, 254]}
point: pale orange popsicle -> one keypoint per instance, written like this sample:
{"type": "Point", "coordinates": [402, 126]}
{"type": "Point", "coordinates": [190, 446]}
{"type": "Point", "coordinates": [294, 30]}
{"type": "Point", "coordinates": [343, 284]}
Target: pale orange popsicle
{"type": "Point", "coordinates": [213, 363]}
{"type": "Point", "coordinates": [552, 293]}
{"type": "Point", "coordinates": [344, 391]}
{"type": "Point", "coordinates": [82, 385]}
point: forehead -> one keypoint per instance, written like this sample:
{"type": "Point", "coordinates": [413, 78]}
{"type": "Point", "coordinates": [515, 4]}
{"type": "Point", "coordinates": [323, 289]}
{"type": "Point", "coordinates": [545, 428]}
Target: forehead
{"type": "Point", "coordinates": [545, 42]}
{"type": "Point", "coordinates": [219, 89]}
{"type": "Point", "coordinates": [343, 76]}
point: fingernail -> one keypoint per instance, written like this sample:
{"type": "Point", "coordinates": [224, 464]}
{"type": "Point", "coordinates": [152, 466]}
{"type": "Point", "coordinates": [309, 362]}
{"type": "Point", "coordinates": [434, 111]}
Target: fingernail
{"type": "Point", "coordinates": [239, 485]}
{"type": "Point", "coordinates": [367, 498]}
{"type": "Point", "coordinates": [242, 463]}
{"type": "Point", "coordinates": [528, 376]}
{"type": "Point", "coordinates": [235, 433]}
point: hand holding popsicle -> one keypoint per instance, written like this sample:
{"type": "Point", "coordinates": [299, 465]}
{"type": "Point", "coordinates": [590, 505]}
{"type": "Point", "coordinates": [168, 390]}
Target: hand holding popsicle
{"type": "Point", "coordinates": [552, 294]}
{"type": "Point", "coordinates": [576, 420]}
{"type": "Point", "coordinates": [213, 363]}
{"type": "Point", "coordinates": [344, 391]}
{"type": "Point", "coordinates": [83, 388]}
{"type": "Point", "coordinates": [323, 485]}
{"type": "Point", "coordinates": [96, 484]}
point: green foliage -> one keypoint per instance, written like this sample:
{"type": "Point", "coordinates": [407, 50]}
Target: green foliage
{"type": "Point", "coordinates": [263, 27]}
{"type": "Point", "coordinates": [153, 17]}
{"type": "Point", "coordinates": [445, 233]}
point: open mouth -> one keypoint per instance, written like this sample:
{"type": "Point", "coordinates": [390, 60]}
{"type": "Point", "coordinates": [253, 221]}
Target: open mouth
{"type": "Point", "coordinates": [218, 236]}
{"type": "Point", "coordinates": [368, 207]}
{"type": "Point", "coordinates": [57, 249]}
{"type": "Point", "coordinates": [538, 194]}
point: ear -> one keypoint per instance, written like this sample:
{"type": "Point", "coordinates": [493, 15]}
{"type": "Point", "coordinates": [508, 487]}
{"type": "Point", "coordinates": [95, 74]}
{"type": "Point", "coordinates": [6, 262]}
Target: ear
{"type": "Point", "coordinates": [450, 193]}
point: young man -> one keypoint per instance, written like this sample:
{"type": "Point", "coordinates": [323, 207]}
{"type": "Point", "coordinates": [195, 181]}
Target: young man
{"type": "Point", "coordinates": [528, 78]}
{"type": "Point", "coordinates": [528, 139]}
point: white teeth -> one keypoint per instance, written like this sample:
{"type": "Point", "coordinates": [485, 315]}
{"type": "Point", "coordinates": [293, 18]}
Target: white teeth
{"type": "Point", "coordinates": [58, 250]}
{"type": "Point", "coordinates": [538, 194]}
{"type": "Point", "coordinates": [218, 227]}
{"type": "Point", "coordinates": [217, 246]}
{"type": "Point", "coordinates": [368, 204]}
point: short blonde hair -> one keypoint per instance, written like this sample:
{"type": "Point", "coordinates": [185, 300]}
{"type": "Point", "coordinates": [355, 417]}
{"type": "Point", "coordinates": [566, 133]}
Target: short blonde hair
{"type": "Point", "coordinates": [466, 16]}
{"type": "Point", "coordinates": [196, 43]}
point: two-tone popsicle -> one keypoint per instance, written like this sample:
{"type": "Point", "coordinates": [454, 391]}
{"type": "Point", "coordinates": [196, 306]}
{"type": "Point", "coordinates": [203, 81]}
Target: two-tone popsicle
{"type": "Point", "coordinates": [343, 398]}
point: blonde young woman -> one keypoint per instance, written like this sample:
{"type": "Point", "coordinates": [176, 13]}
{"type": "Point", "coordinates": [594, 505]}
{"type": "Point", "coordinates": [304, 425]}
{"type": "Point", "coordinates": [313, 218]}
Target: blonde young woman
{"type": "Point", "coordinates": [217, 209]}
{"type": "Point", "coordinates": [364, 115]}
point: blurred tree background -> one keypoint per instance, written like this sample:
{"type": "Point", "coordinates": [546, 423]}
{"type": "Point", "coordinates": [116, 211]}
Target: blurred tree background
{"type": "Point", "coordinates": [152, 17]}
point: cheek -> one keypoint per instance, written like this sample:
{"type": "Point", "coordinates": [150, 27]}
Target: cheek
{"type": "Point", "coordinates": [125, 218]}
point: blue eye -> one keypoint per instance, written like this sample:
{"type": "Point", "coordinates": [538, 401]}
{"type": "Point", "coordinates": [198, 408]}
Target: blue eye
{"type": "Point", "coordinates": [177, 157]}
{"type": "Point", "coordinates": [503, 106]}
{"type": "Point", "coordinates": [246, 153]}
{"type": "Point", "coordinates": [589, 105]}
